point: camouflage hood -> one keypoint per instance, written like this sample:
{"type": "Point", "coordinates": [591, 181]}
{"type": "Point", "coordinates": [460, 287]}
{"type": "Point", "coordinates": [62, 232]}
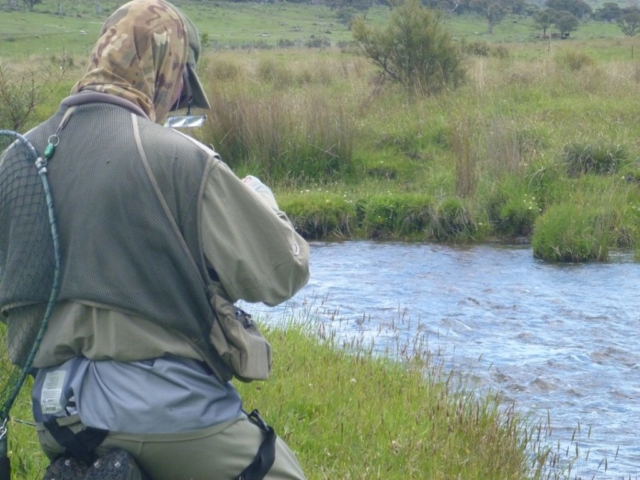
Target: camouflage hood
{"type": "Point", "coordinates": [140, 56]}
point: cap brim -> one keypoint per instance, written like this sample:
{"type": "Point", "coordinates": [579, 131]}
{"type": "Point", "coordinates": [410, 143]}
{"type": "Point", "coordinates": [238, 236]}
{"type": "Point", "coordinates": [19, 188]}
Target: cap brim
{"type": "Point", "coordinates": [199, 98]}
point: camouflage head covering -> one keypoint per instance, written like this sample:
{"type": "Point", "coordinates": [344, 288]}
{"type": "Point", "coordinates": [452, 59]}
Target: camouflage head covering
{"type": "Point", "coordinates": [140, 56]}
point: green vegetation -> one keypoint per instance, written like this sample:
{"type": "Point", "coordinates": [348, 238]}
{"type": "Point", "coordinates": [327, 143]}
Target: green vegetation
{"type": "Point", "coordinates": [486, 160]}
{"type": "Point", "coordinates": [539, 143]}
{"type": "Point", "coordinates": [538, 129]}
{"type": "Point", "coordinates": [349, 413]}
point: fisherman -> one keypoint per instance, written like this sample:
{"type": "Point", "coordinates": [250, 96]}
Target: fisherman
{"type": "Point", "coordinates": [151, 220]}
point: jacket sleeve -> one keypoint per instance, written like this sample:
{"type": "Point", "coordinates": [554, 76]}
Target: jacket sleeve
{"type": "Point", "coordinates": [252, 245]}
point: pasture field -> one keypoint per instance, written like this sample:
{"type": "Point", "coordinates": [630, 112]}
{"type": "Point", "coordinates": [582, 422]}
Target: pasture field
{"type": "Point", "coordinates": [227, 24]}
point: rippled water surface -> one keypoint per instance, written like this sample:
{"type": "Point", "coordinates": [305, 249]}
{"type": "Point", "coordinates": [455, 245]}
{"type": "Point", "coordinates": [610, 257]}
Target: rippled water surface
{"type": "Point", "coordinates": [557, 338]}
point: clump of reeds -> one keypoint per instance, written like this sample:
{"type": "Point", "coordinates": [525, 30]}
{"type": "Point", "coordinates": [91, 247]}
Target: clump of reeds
{"type": "Point", "coordinates": [572, 233]}
{"type": "Point", "coordinates": [593, 157]}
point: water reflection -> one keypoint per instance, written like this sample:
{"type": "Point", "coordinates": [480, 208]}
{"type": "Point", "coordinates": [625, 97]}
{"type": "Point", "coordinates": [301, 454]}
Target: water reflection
{"type": "Point", "coordinates": [557, 338]}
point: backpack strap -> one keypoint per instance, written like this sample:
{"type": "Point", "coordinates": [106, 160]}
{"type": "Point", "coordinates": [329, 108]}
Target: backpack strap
{"type": "Point", "coordinates": [79, 445]}
{"type": "Point", "coordinates": [266, 455]}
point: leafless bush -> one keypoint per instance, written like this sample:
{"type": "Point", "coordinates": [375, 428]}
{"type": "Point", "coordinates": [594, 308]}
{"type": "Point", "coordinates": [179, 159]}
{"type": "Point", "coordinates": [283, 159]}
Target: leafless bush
{"type": "Point", "coordinates": [22, 91]}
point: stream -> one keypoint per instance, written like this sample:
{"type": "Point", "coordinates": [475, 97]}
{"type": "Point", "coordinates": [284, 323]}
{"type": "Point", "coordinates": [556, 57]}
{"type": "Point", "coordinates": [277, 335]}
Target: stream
{"type": "Point", "coordinates": [559, 341]}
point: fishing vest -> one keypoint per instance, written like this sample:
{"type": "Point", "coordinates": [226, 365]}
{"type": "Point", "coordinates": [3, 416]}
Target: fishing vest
{"type": "Point", "coordinates": [123, 187]}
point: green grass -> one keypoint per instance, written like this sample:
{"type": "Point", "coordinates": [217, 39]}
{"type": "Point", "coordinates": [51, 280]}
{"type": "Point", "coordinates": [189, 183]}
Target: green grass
{"type": "Point", "coordinates": [349, 413]}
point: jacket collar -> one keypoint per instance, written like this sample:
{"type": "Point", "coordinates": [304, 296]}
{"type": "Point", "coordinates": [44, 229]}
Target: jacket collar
{"type": "Point", "coordinates": [86, 97]}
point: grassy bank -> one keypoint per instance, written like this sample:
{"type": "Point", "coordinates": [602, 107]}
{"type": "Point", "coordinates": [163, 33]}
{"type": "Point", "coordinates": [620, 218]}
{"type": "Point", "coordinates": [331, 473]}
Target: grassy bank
{"type": "Point", "coordinates": [349, 414]}
{"type": "Point", "coordinates": [540, 144]}
{"type": "Point", "coordinates": [544, 149]}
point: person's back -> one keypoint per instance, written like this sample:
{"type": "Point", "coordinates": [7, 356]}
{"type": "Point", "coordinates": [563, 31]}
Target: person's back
{"type": "Point", "coordinates": [147, 218]}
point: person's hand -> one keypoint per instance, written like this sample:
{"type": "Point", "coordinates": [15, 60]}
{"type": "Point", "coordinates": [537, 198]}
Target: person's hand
{"type": "Point", "coordinates": [261, 189]}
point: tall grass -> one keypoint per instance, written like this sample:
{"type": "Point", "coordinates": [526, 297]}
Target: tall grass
{"type": "Point", "coordinates": [285, 134]}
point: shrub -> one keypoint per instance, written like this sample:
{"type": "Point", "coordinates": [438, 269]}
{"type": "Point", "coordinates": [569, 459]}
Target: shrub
{"type": "Point", "coordinates": [345, 15]}
{"type": "Point", "coordinates": [451, 221]}
{"type": "Point", "coordinates": [574, 61]}
{"type": "Point", "coordinates": [588, 158]}
{"type": "Point", "coordinates": [395, 215]}
{"type": "Point", "coordinates": [21, 93]}
{"type": "Point", "coordinates": [512, 212]}
{"type": "Point", "coordinates": [414, 49]}
{"type": "Point", "coordinates": [500, 52]}
{"type": "Point", "coordinates": [479, 48]}
{"type": "Point", "coordinates": [318, 42]}
{"type": "Point", "coordinates": [572, 233]}
{"type": "Point", "coordinates": [285, 43]}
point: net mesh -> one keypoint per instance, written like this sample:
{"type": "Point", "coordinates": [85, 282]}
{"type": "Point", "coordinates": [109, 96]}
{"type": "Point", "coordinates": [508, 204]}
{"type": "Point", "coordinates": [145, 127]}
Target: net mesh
{"type": "Point", "coordinates": [27, 231]}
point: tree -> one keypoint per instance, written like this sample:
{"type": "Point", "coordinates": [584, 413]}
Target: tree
{"type": "Point", "coordinates": [544, 19]}
{"type": "Point", "coordinates": [493, 11]}
{"type": "Point", "coordinates": [566, 22]}
{"type": "Point", "coordinates": [519, 7]}
{"type": "Point", "coordinates": [576, 7]}
{"type": "Point", "coordinates": [346, 15]}
{"type": "Point", "coordinates": [413, 49]}
{"type": "Point", "coordinates": [609, 12]}
{"type": "Point", "coordinates": [629, 21]}
{"type": "Point", "coordinates": [494, 14]}
{"type": "Point", "coordinates": [31, 3]}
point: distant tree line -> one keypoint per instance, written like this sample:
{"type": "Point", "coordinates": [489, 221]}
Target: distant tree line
{"type": "Point", "coordinates": [565, 15]}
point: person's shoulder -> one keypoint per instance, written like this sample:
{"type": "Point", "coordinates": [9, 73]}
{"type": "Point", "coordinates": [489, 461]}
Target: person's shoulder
{"type": "Point", "coordinates": [173, 139]}
{"type": "Point", "coordinates": [208, 149]}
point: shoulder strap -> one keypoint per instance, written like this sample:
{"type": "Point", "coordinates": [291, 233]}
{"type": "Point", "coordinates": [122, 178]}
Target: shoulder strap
{"type": "Point", "coordinates": [266, 455]}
